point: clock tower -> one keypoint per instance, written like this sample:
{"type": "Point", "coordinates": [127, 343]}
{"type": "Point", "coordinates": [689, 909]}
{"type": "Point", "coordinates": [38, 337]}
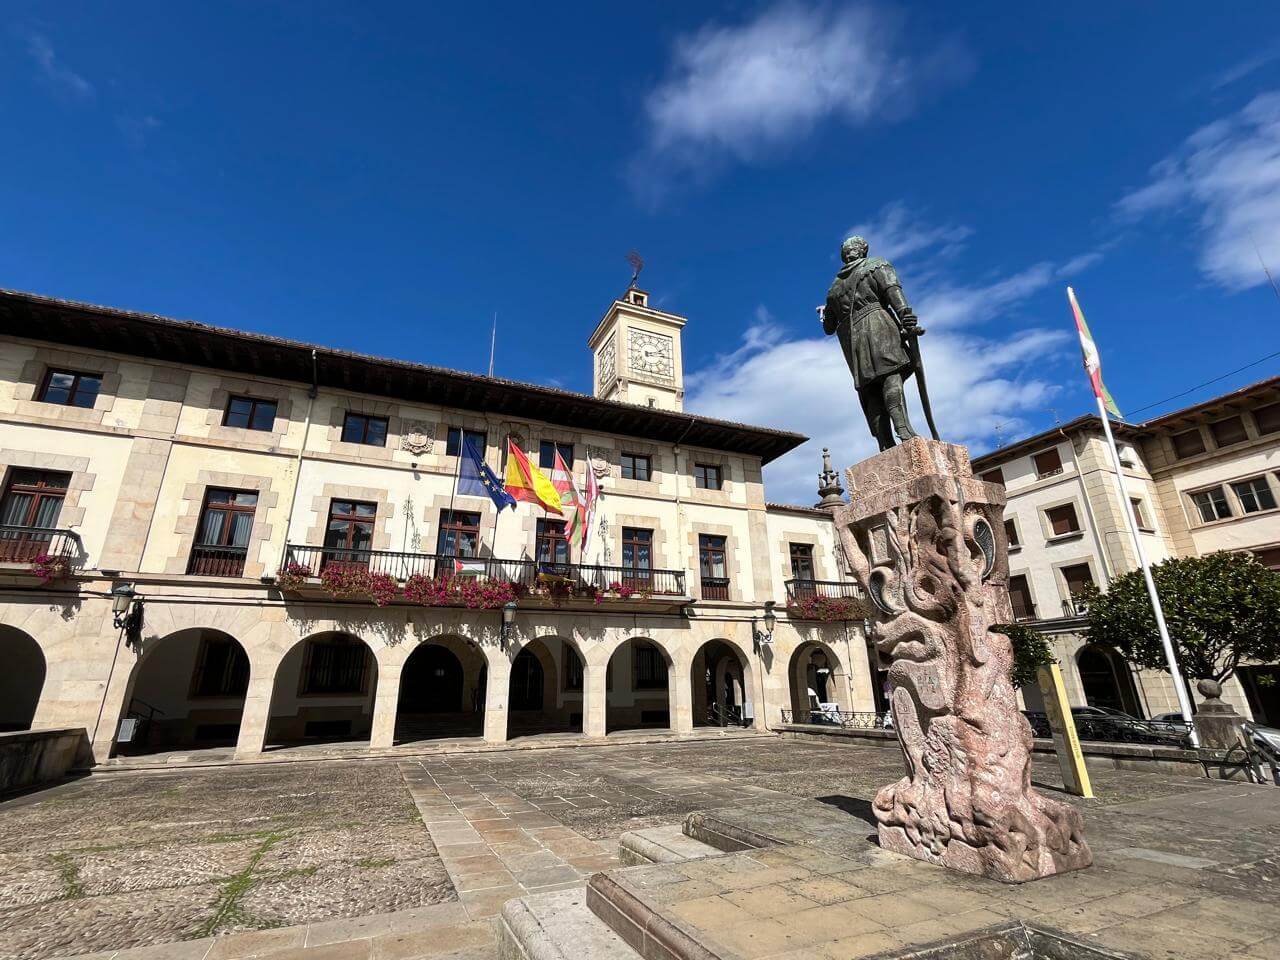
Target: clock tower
{"type": "Point", "coordinates": [636, 351]}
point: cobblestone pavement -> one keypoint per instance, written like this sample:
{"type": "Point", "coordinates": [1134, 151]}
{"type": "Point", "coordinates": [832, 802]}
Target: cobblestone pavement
{"type": "Point", "coordinates": [122, 860]}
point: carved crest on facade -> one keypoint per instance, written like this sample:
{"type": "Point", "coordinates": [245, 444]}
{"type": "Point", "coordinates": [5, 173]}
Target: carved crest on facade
{"type": "Point", "coordinates": [417, 438]}
{"type": "Point", "coordinates": [598, 458]}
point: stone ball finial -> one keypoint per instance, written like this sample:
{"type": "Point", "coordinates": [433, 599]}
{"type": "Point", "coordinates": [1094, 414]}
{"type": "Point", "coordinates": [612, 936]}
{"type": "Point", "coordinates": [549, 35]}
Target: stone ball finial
{"type": "Point", "coordinates": [1209, 689]}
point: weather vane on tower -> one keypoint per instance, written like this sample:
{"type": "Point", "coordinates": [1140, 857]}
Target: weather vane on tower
{"type": "Point", "coordinates": [637, 264]}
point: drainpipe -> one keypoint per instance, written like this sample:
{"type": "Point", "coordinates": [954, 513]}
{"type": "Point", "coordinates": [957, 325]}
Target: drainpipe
{"type": "Point", "coordinates": [675, 453]}
{"type": "Point", "coordinates": [297, 466]}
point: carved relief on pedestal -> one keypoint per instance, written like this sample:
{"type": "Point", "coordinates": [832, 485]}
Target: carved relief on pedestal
{"type": "Point", "coordinates": [920, 537]}
{"type": "Point", "coordinates": [417, 437]}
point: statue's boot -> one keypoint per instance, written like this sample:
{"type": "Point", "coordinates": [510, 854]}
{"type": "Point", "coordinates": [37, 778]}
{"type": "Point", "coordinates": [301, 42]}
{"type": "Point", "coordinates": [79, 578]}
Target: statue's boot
{"type": "Point", "coordinates": [896, 402]}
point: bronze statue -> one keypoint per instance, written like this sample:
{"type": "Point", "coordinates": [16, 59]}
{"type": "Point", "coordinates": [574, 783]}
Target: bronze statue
{"type": "Point", "coordinates": [878, 332]}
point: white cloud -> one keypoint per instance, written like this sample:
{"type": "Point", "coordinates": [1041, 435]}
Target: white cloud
{"type": "Point", "coordinates": [62, 79]}
{"type": "Point", "coordinates": [895, 233]}
{"type": "Point", "coordinates": [744, 91]}
{"type": "Point", "coordinates": [1227, 174]}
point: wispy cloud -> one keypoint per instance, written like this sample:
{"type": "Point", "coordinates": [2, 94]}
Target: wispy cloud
{"type": "Point", "coordinates": [898, 232]}
{"type": "Point", "coordinates": [1245, 67]}
{"type": "Point", "coordinates": [59, 77]}
{"type": "Point", "coordinates": [745, 91]}
{"type": "Point", "coordinates": [1227, 176]}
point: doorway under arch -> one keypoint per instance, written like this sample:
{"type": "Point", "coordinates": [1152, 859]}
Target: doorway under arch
{"type": "Point", "coordinates": [442, 692]}
{"type": "Point", "coordinates": [638, 687]}
{"type": "Point", "coordinates": [187, 690]}
{"type": "Point", "coordinates": [720, 678]}
{"type": "Point", "coordinates": [324, 690]}
{"type": "Point", "coordinates": [546, 689]}
{"type": "Point", "coordinates": [21, 680]}
{"type": "Point", "coordinates": [1106, 679]}
{"type": "Point", "coordinates": [819, 685]}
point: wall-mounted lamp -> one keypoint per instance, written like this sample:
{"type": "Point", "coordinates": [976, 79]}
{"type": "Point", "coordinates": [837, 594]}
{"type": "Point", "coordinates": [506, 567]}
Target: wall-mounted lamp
{"type": "Point", "coordinates": [765, 636]}
{"type": "Point", "coordinates": [126, 612]}
{"type": "Point", "coordinates": [508, 618]}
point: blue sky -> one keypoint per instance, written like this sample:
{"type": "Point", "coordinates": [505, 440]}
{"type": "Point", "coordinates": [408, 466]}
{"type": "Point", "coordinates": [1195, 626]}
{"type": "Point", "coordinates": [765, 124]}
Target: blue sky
{"type": "Point", "coordinates": [385, 178]}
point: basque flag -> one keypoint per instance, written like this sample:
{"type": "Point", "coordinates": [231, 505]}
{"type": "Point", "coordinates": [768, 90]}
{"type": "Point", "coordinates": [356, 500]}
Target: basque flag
{"type": "Point", "coordinates": [475, 479]}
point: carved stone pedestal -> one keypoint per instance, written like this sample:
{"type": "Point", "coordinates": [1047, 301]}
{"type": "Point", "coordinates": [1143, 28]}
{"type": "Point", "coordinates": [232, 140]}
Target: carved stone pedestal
{"type": "Point", "coordinates": [925, 539]}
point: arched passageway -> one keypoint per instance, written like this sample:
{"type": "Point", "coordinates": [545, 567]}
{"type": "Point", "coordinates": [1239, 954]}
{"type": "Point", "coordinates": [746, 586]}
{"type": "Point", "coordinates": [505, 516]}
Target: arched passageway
{"type": "Point", "coordinates": [819, 685]}
{"type": "Point", "coordinates": [720, 682]}
{"type": "Point", "coordinates": [187, 691]}
{"type": "Point", "coordinates": [442, 692]}
{"type": "Point", "coordinates": [21, 678]}
{"type": "Point", "coordinates": [546, 689]}
{"type": "Point", "coordinates": [324, 690]}
{"type": "Point", "coordinates": [638, 687]}
{"type": "Point", "coordinates": [1106, 679]}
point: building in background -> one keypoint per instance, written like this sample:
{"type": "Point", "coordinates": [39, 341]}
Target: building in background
{"type": "Point", "coordinates": [1202, 479]}
{"type": "Point", "coordinates": [191, 465]}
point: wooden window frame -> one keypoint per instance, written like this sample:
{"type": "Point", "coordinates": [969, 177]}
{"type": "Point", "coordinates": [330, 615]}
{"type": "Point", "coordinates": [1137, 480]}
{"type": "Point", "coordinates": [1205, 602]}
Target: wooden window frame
{"type": "Point", "coordinates": [304, 678]}
{"type": "Point", "coordinates": [231, 687]}
{"type": "Point", "coordinates": [76, 376]}
{"type": "Point", "coordinates": [225, 566]}
{"type": "Point", "coordinates": [1140, 511]}
{"type": "Point", "coordinates": [38, 491]}
{"type": "Point", "coordinates": [455, 437]}
{"type": "Point", "coordinates": [659, 680]}
{"type": "Point", "coordinates": [368, 418]}
{"type": "Point", "coordinates": [549, 532]}
{"type": "Point", "coordinates": [547, 457]}
{"type": "Point", "coordinates": [1250, 481]}
{"type": "Point", "coordinates": [254, 404]}
{"type": "Point", "coordinates": [1066, 581]}
{"type": "Point", "coordinates": [1075, 516]}
{"type": "Point", "coordinates": [703, 473]}
{"type": "Point", "coordinates": [713, 548]}
{"type": "Point", "coordinates": [802, 552]}
{"type": "Point", "coordinates": [1029, 596]}
{"type": "Point", "coordinates": [1043, 474]}
{"type": "Point", "coordinates": [1208, 491]}
{"type": "Point", "coordinates": [450, 522]}
{"type": "Point", "coordinates": [631, 462]}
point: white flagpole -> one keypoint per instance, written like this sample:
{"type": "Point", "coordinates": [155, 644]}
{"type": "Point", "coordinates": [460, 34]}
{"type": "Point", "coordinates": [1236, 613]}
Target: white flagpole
{"type": "Point", "coordinates": [1126, 506]}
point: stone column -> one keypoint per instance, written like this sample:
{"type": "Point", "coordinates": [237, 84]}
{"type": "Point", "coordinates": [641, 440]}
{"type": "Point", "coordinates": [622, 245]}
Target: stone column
{"type": "Point", "coordinates": [257, 713]}
{"type": "Point", "coordinates": [595, 700]}
{"type": "Point", "coordinates": [680, 697]}
{"type": "Point", "coordinates": [925, 541]}
{"type": "Point", "coordinates": [385, 702]}
{"type": "Point", "coordinates": [497, 693]}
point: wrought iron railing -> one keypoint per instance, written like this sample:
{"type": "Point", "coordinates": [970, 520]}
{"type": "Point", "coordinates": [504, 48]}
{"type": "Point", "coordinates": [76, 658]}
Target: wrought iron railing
{"type": "Point", "coordinates": [715, 588]}
{"type": "Point", "coordinates": [801, 589]}
{"type": "Point", "coordinates": [210, 561]}
{"type": "Point", "coordinates": [835, 717]}
{"type": "Point", "coordinates": [1110, 729]}
{"type": "Point", "coordinates": [1074, 607]}
{"type": "Point", "coordinates": [21, 544]}
{"type": "Point", "coordinates": [526, 573]}
{"type": "Point", "coordinates": [726, 716]}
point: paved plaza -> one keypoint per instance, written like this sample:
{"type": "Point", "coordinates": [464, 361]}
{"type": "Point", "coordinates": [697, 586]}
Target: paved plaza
{"type": "Point", "coordinates": [429, 846]}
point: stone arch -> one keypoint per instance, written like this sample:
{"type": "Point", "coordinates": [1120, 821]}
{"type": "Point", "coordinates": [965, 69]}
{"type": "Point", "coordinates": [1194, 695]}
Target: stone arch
{"type": "Point", "coordinates": [815, 667]}
{"type": "Point", "coordinates": [21, 680]}
{"type": "Point", "coordinates": [324, 689]}
{"type": "Point", "coordinates": [1106, 680]}
{"type": "Point", "coordinates": [186, 689]}
{"type": "Point", "coordinates": [546, 687]}
{"type": "Point", "coordinates": [640, 686]}
{"type": "Point", "coordinates": [722, 684]}
{"type": "Point", "coordinates": [441, 690]}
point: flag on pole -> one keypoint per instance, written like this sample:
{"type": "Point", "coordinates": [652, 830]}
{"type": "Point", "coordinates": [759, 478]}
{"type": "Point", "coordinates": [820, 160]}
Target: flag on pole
{"type": "Point", "coordinates": [1092, 361]}
{"type": "Point", "coordinates": [526, 482]}
{"type": "Point", "coordinates": [588, 511]}
{"type": "Point", "coordinates": [570, 496]}
{"type": "Point", "coordinates": [475, 479]}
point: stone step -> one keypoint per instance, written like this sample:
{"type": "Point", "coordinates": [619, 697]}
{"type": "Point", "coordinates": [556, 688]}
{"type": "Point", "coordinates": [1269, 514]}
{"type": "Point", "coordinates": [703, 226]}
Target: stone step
{"type": "Point", "coordinates": [667, 844]}
{"type": "Point", "coordinates": [557, 926]}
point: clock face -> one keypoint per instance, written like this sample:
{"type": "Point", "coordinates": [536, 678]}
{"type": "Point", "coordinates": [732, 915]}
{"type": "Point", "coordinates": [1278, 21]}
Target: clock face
{"type": "Point", "coordinates": [651, 354]}
{"type": "Point", "coordinates": [608, 365]}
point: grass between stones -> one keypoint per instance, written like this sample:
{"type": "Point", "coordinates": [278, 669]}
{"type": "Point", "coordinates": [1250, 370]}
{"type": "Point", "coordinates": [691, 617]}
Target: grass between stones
{"type": "Point", "coordinates": [69, 873]}
{"type": "Point", "coordinates": [227, 908]}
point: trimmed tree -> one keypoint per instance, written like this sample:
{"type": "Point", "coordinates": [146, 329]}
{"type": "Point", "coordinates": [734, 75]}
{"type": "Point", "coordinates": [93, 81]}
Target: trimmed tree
{"type": "Point", "coordinates": [1222, 609]}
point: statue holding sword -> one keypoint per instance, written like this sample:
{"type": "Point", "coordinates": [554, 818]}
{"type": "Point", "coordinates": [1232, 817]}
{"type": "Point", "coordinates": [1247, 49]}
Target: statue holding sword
{"type": "Point", "coordinates": [879, 335]}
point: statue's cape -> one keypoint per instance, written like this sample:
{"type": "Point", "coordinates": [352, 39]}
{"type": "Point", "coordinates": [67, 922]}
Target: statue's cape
{"type": "Point", "coordinates": [856, 271]}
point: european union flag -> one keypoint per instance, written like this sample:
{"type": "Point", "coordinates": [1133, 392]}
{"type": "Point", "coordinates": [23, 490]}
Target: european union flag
{"type": "Point", "coordinates": [475, 479]}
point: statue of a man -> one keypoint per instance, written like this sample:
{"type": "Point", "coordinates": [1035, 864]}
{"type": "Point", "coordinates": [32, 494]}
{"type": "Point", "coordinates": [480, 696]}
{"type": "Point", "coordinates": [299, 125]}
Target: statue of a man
{"type": "Point", "coordinates": [867, 309]}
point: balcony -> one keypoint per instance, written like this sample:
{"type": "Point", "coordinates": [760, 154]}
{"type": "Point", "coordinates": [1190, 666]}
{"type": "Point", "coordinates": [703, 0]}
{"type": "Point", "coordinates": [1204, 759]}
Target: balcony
{"type": "Point", "coordinates": [208, 561]}
{"type": "Point", "coordinates": [825, 600]}
{"type": "Point", "coordinates": [555, 582]}
{"type": "Point", "coordinates": [799, 590]}
{"type": "Point", "coordinates": [715, 588]}
{"type": "Point", "coordinates": [19, 544]}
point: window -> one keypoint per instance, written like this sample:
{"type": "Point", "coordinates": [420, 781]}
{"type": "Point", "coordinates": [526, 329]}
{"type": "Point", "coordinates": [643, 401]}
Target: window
{"type": "Point", "coordinates": [359, 428]}
{"type": "Point", "coordinates": [1077, 577]}
{"type": "Point", "coordinates": [1212, 504]}
{"type": "Point", "coordinates": [711, 567]}
{"type": "Point", "coordinates": [802, 561]}
{"type": "Point", "coordinates": [649, 666]}
{"type": "Point", "coordinates": [635, 466]}
{"type": "Point", "coordinates": [1048, 463]}
{"type": "Point", "coordinates": [1255, 495]}
{"type": "Point", "coordinates": [222, 669]}
{"type": "Point", "coordinates": [572, 669]}
{"type": "Point", "coordinates": [459, 534]}
{"type": "Point", "coordinates": [249, 413]}
{"type": "Point", "coordinates": [1267, 418]}
{"type": "Point", "coordinates": [222, 538]}
{"type": "Point", "coordinates": [1228, 431]}
{"type": "Point", "coordinates": [547, 450]}
{"type": "Point", "coordinates": [1011, 534]}
{"type": "Point", "coordinates": [349, 533]}
{"type": "Point", "coordinates": [637, 557]}
{"type": "Point", "coordinates": [1024, 607]}
{"type": "Point", "coordinates": [551, 545]}
{"type": "Point", "coordinates": [1188, 444]}
{"type": "Point", "coordinates": [335, 666]}
{"type": "Point", "coordinates": [993, 476]}
{"type": "Point", "coordinates": [70, 389]}
{"type": "Point", "coordinates": [1140, 512]}
{"type": "Point", "coordinates": [1062, 520]}
{"type": "Point", "coordinates": [1269, 557]}
{"type": "Point", "coordinates": [32, 501]}
{"type": "Point", "coordinates": [456, 437]}
{"type": "Point", "coordinates": [706, 477]}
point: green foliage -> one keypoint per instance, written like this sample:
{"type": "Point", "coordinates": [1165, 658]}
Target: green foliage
{"type": "Point", "coordinates": [1221, 609]}
{"type": "Point", "coordinates": [1031, 651]}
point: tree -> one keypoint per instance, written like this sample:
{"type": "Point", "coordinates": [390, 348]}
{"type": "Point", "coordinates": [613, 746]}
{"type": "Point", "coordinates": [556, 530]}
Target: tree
{"type": "Point", "coordinates": [1031, 651]}
{"type": "Point", "coordinates": [1221, 609]}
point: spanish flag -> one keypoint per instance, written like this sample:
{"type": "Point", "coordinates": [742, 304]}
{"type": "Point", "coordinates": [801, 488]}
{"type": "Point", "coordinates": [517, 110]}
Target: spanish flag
{"type": "Point", "coordinates": [526, 482]}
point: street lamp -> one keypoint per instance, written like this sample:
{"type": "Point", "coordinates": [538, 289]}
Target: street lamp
{"type": "Point", "coordinates": [508, 618]}
{"type": "Point", "coordinates": [765, 636]}
{"type": "Point", "coordinates": [122, 595]}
